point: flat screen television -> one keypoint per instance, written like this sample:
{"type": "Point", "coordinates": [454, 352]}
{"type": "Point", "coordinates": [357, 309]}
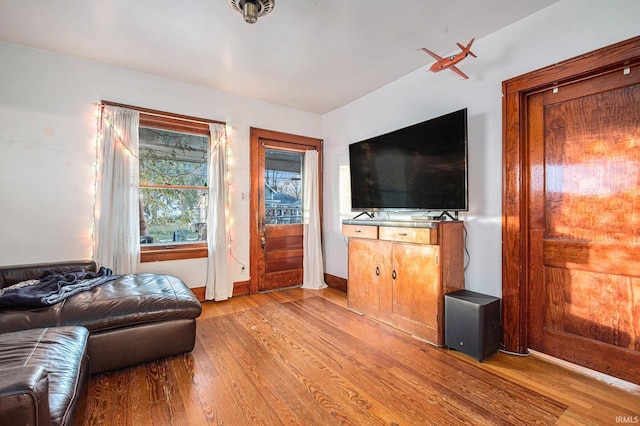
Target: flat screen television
{"type": "Point", "coordinates": [420, 167]}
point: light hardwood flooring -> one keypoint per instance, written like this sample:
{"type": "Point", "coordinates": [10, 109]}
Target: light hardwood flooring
{"type": "Point", "coordinates": [300, 357]}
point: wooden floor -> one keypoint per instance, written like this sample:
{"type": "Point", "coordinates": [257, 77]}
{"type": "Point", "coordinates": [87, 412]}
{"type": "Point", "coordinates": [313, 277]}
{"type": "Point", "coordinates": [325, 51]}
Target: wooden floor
{"type": "Point", "coordinates": [300, 357]}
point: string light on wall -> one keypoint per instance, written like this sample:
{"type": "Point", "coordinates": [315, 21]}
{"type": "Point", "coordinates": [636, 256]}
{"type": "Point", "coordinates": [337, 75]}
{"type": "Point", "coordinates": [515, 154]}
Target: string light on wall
{"type": "Point", "coordinates": [230, 221]}
{"type": "Point", "coordinates": [98, 116]}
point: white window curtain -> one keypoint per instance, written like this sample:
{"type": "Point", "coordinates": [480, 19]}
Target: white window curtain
{"type": "Point", "coordinates": [313, 276]}
{"type": "Point", "coordinates": [117, 228]}
{"type": "Point", "coordinates": [219, 283]}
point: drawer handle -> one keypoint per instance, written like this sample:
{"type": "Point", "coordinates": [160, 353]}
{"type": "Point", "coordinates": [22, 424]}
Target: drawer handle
{"type": "Point", "coordinates": [403, 234]}
{"type": "Point", "coordinates": [393, 274]}
{"type": "Point", "coordinates": [377, 271]}
{"type": "Point", "coordinates": [357, 231]}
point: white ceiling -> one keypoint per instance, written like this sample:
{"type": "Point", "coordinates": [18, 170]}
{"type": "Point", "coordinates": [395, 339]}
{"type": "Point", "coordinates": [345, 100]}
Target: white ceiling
{"type": "Point", "coordinates": [312, 55]}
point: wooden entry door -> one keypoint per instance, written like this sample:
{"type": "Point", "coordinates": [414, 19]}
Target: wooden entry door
{"type": "Point", "coordinates": [280, 216]}
{"type": "Point", "coordinates": [585, 223]}
{"type": "Point", "coordinates": [571, 211]}
{"type": "Point", "coordinates": [277, 161]}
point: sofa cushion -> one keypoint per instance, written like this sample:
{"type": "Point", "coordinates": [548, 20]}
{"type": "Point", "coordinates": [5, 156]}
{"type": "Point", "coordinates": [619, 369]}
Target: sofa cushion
{"type": "Point", "coordinates": [16, 319]}
{"type": "Point", "coordinates": [61, 352]}
{"type": "Point", "coordinates": [24, 394]}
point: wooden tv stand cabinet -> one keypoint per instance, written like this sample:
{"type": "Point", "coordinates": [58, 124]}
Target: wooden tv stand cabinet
{"type": "Point", "coordinates": [400, 271]}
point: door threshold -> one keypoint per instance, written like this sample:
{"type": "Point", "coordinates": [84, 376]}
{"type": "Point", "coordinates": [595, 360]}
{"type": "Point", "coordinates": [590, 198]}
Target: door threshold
{"type": "Point", "coordinates": [280, 289]}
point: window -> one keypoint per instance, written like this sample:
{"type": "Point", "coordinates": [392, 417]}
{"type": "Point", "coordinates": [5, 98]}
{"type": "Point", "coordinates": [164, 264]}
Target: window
{"type": "Point", "coordinates": [173, 164]}
{"type": "Point", "coordinates": [283, 187]}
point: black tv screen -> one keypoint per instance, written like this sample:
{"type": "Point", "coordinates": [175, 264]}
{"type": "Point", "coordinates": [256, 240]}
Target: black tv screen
{"type": "Point", "coordinates": [420, 167]}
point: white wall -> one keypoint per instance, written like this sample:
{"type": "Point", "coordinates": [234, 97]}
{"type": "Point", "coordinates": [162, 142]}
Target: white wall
{"type": "Point", "coordinates": [47, 151]}
{"type": "Point", "coordinates": [47, 135]}
{"type": "Point", "coordinates": [564, 30]}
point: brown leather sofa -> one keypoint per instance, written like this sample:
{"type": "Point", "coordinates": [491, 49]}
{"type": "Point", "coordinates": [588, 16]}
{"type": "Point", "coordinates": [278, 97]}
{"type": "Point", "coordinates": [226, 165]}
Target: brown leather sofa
{"type": "Point", "coordinates": [132, 319]}
{"type": "Point", "coordinates": [47, 353]}
{"type": "Point", "coordinates": [44, 374]}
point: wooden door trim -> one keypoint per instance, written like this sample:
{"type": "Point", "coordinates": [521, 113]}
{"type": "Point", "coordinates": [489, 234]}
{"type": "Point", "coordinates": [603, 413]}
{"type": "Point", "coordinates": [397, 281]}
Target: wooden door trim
{"type": "Point", "coordinates": [256, 263]}
{"type": "Point", "coordinates": [516, 253]}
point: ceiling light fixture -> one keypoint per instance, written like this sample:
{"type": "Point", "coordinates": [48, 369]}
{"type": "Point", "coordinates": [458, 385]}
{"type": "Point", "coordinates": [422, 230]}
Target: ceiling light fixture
{"type": "Point", "coordinates": [252, 9]}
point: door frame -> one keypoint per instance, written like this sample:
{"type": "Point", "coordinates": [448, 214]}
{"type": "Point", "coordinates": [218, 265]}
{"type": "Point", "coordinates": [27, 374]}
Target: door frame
{"type": "Point", "coordinates": [516, 249]}
{"type": "Point", "coordinates": [256, 260]}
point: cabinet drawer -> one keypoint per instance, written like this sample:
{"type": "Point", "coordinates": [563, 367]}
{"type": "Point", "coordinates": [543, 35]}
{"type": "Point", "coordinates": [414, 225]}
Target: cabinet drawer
{"type": "Point", "coordinates": [360, 231]}
{"type": "Point", "coordinates": [409, 235]}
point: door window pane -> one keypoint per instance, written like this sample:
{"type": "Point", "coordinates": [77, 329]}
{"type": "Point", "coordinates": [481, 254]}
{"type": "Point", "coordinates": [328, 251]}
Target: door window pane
{"type": "Point", "coordinates": [283, 187]}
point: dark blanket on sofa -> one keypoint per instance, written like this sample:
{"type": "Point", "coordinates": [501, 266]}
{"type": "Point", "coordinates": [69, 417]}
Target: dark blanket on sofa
{"type": "Point", "coordinates": [53, 287]}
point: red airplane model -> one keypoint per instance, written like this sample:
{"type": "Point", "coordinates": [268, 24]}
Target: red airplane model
{"type": "Point", "coordinates": [451, 61]}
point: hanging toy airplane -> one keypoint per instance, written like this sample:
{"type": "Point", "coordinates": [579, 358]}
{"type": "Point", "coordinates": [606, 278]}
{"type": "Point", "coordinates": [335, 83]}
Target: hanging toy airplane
{"type": "Point", "coordinates": [451, 61]}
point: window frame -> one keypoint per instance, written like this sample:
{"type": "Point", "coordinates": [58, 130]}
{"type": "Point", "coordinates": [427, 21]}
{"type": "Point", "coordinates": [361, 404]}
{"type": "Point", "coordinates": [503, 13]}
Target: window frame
{"type": "Point", "coordinates": [182, 124]}
{"type": "Point", "coordinates": [182, 250]}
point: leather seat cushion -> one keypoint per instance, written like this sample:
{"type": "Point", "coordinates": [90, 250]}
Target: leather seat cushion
{"type": "Point", "coordinates": [62, 352]}
{"type": "Point", "coordinates": [131, 300]}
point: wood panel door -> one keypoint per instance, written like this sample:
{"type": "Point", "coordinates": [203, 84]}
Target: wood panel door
{"type": "Point", "coordinates": [283, 253]}
{"type": "Point", "coordinates": [584, 222]}
{"type": "Point", "coordinates": [276, 228]}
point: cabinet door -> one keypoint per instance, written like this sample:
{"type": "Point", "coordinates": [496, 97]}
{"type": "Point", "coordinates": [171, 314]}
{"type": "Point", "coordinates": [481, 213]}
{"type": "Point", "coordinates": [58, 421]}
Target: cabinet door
{"type": "Point", "coordinates": [416, 287]}
{"type": "Point", "coordinates": [369, 267]}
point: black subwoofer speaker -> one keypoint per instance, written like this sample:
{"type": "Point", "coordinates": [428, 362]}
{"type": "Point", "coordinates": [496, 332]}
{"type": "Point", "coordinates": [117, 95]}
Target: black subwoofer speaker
{"type": "Point", "coordinates": [472, 323]}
